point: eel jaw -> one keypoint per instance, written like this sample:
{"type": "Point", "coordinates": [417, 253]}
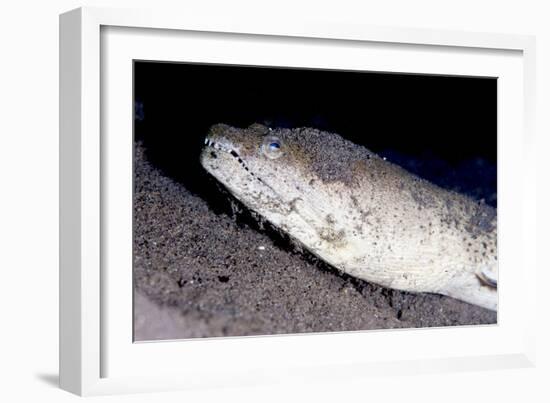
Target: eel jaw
{"type": "Point", "coordinates": [228, 181]}
{"type": "Point", "coordinates": [227, 147]}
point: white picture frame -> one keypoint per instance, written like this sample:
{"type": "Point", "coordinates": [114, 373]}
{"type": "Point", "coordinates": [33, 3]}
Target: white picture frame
{"type": "Point", "coordinates": [96, 354]}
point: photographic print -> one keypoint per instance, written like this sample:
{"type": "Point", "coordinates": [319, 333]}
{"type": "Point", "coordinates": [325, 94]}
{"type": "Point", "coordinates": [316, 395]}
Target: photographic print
{"type": "Point", "coordinates": [274, 200]}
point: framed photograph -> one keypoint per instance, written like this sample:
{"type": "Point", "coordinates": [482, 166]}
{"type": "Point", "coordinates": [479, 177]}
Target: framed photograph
{"type": "Point", "coordinates": [238, 196]}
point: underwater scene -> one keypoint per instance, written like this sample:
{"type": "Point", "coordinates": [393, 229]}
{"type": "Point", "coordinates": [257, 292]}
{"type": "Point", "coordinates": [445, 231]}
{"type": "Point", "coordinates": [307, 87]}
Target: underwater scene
{"type": "Point", "coordinates": [274, 200]}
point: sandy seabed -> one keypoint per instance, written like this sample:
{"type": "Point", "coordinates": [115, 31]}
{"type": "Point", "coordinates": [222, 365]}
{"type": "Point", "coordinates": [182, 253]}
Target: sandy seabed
{"type": "Point", "coordinates": [202, 273]}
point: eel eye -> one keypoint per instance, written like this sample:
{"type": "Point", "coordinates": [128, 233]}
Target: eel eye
{"type": "Point", "coordinates": [272, 147]}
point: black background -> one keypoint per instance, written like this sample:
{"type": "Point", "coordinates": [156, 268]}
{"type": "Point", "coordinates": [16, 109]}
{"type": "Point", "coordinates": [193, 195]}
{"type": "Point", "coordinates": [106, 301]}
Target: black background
{"type": "Point", "coordinates": [439, 127]}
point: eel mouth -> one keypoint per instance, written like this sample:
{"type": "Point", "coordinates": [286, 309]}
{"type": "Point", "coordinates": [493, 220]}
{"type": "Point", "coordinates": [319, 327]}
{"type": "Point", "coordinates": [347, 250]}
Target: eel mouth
{"type": "Point", "coordinates": [221, 146]}
{"type": "Point", "coordinates": [227, 147]}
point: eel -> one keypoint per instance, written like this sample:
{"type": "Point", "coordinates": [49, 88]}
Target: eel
{"type": "Point", "coordinates": [358, 212]}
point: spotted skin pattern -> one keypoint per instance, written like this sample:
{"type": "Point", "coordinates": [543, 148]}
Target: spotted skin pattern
{"type": "Point", "coordinates": [358, 212]}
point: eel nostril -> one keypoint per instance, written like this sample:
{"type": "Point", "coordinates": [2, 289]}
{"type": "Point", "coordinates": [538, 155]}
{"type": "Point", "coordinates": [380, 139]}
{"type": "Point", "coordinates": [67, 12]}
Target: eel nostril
{"type": "Point", "coordinates": [213, 154]}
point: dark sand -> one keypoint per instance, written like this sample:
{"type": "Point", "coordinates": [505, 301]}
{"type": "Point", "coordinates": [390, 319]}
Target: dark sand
{"type": "Point", "coordinates": [199, 272]}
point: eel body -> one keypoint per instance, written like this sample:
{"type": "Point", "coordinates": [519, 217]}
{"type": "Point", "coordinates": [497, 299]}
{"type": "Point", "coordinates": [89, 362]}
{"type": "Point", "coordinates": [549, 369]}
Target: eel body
{"type": "Point", "coordinates": [358, 212]}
